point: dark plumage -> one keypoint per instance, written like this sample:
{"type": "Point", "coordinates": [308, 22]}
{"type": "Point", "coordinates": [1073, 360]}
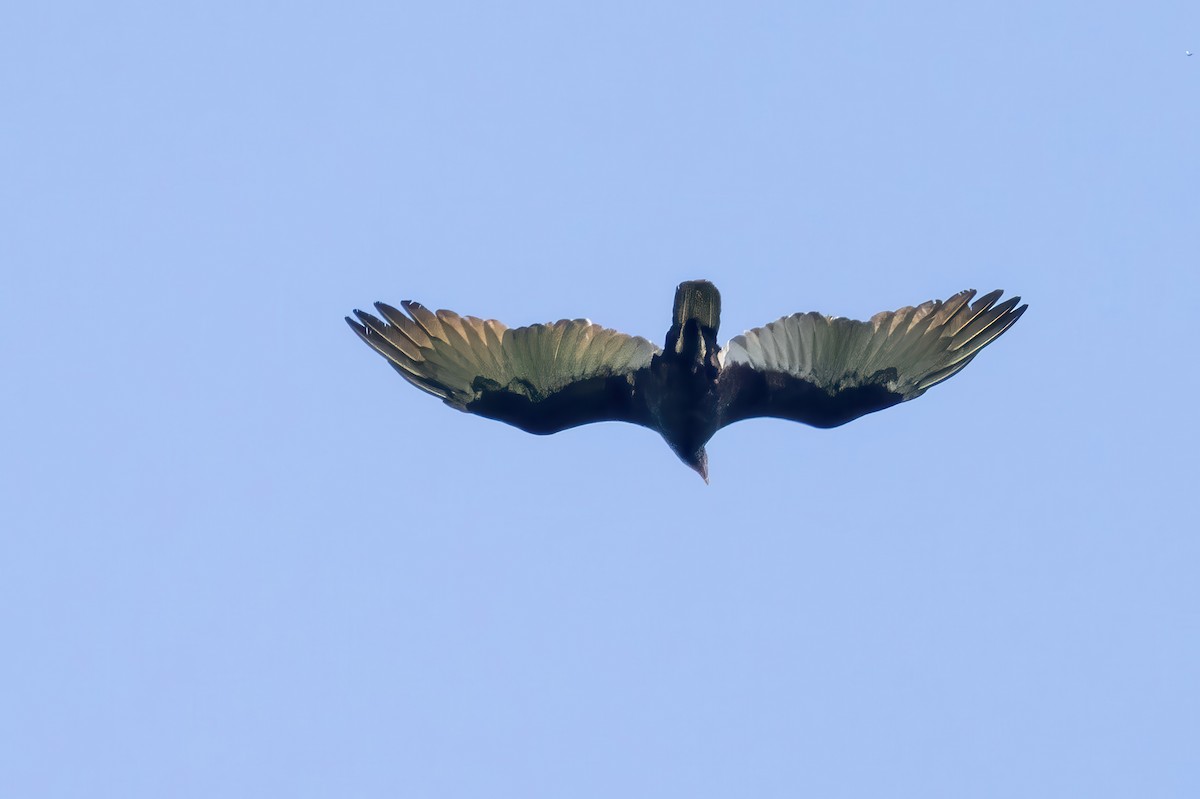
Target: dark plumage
{"type": "Point", "coordinates": [820, 370]}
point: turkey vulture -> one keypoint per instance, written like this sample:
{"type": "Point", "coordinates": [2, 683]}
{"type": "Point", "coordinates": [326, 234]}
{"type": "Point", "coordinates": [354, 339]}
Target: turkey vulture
{"type": "Point", "coordinates": [820, 370]}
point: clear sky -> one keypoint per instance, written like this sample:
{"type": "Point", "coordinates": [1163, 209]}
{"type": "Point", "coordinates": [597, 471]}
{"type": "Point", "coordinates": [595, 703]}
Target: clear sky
{"type": "Point", "coordinates": [240, 557]}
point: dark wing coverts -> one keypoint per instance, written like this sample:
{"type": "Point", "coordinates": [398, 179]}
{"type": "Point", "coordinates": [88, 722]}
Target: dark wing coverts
{"type": "Point", "coordinates": [541, 378]}
{"type": "Point", "coordinates": [826, 371]}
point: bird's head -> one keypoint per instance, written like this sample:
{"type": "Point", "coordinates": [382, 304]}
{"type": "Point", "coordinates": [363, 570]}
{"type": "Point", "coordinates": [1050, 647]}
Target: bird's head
{"type": "Point", "coordinates": [689, 448]}
{"type": "Point", "coordinates": [697, 460]}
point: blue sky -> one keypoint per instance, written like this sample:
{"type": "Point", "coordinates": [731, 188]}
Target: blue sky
{"type": "Point", "coordinates": [241, 557]}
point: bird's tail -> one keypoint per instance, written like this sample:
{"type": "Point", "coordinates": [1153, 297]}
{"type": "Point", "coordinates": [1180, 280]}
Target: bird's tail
{"type": "Point", "coordinates": [699, 300]}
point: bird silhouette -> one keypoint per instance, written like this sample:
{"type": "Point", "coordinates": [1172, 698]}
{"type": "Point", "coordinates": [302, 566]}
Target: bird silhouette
{"type": "Point", "coordinates": [820, 370]}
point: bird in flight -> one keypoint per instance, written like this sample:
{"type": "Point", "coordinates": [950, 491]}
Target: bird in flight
{"type": "Point", "coordinates": [820, 370]}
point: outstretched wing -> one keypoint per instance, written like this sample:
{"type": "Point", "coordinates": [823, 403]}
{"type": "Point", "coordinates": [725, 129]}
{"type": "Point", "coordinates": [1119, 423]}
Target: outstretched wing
{"type": "Point", "coordinates": [541, 378]}
{"type": "Point", "coordinates": [826, 371]}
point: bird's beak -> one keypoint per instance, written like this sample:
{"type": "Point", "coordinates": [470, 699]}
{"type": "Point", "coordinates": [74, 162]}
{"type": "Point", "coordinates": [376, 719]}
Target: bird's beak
{"type": "Point", "coordinates": [701, 466]}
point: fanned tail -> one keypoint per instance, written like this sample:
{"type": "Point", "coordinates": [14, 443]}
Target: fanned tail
{"type": "Point", "coordinates": [699, 300]}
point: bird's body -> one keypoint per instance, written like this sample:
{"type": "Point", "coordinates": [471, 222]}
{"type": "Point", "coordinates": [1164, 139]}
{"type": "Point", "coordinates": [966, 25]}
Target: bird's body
{"type": "Point", "coordinates": [820, 370]}
{"type": "Point", "coordinates": [680, 386]}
